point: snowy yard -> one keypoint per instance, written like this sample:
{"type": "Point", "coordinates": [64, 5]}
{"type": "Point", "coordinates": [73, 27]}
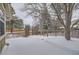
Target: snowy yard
{"type": "Point", "coordinates": [41, 45]}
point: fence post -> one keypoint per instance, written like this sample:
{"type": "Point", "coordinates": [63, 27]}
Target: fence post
{"type": "Point", "coordinates": [27, 30]}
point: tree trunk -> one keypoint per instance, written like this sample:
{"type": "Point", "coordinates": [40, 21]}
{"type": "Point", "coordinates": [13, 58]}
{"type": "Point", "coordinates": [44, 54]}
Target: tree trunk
{"type": "Point", "coordinates": [68, 16]}
{"type": "Point", "coordinates": [47, 33]}
{"type": "Point", "coordinates": [12, 29]}
{"type": "Point", "coordinates": [11, 26]}
{"type": "Point", "coordinates": [67, 26]}
{"type": "Point", "coordinates": [67, 33]}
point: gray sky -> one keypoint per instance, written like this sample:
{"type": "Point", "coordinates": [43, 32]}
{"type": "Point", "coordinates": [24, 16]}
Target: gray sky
{"type": "Point", "coordinates": [20, 14]}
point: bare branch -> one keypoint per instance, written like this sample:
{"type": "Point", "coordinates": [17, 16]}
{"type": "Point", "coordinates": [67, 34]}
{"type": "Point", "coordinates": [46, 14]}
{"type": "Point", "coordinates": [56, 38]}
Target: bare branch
{"type": "Point", "coordinates": [75, 23]}
{"type": "Point", "coordinates": [58, 15]}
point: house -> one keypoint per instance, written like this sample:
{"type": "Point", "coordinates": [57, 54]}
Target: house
{"type": "Point", "coordinates": [2, 31]}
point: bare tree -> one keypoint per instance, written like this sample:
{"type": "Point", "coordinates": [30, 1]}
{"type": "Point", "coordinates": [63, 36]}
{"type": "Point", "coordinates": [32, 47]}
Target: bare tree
{"type": "Point", "coordinates": [65, 9]}
{"type": "Point", "coordinates": [39, 11]}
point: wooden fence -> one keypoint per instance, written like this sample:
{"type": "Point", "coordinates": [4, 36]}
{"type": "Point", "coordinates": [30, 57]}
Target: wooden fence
{"type": "Point", "coordinates": [74, 33]}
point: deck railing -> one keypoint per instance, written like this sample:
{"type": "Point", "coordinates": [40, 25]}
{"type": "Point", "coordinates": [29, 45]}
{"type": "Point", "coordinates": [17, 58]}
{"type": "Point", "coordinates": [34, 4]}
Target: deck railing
{"type": "Point", "coordinates": [2, 42]}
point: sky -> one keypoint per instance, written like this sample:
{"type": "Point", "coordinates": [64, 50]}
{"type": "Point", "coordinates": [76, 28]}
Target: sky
{"type": "Point", "coordinates": [22, 15]}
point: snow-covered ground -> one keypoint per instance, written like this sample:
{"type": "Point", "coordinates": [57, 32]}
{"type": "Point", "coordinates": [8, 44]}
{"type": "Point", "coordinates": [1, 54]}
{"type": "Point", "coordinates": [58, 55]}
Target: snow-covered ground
{"type": "Point", "coordinates": [41, 45]}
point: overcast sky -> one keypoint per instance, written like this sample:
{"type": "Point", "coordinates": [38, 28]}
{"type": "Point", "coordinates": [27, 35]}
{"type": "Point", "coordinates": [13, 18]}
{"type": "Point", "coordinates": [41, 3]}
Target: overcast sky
{"type": "Point", "coordinates": [28, 20]}
{"type": "Point", "coordinates": [20, 14]}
